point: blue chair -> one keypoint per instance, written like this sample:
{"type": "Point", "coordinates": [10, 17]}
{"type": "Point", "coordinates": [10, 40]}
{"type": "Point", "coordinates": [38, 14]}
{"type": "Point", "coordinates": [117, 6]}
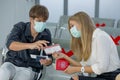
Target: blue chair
{"type": "Point", "coordinates": [108, 22]}
{"type": "Point", "coordinates": [118, 24]}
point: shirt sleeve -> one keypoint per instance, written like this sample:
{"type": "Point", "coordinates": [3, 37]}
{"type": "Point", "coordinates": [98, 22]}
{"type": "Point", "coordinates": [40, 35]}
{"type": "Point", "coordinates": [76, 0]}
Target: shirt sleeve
{"type": "Point", "coordinates": [103, 54]}
{"type": "Point", "coordinates": [14, 34]}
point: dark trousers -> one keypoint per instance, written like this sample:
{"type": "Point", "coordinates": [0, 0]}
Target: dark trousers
{"type": "Point", "coordinates": [104, 76]}
{"type": "Point", "coordinates": [109, 75]}
{"type": "Point", "coordinates": [88, 78]}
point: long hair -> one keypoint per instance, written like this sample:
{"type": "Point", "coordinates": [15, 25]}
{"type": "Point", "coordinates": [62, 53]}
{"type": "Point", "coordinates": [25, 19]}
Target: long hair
{"type": "Point", "coordinates": [82, 46]}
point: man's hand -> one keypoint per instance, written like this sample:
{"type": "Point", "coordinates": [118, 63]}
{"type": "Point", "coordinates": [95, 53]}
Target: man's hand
{"type": "Point", "coordinates": [46, 61]}
{"type": "Point", "coordinates": [38, 44]}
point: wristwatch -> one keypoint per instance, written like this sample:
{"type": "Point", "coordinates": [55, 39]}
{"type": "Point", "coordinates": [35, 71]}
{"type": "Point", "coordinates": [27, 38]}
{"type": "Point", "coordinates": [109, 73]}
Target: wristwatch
{"type": "Point", "coordinates": [82, 69]}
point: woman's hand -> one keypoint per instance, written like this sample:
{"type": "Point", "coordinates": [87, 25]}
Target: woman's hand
{"type": "Point", "coordinates": [58, 55]}
{"type": "Point", "coordinates": [70, 70]}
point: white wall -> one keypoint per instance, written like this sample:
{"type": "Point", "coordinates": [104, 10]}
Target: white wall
{"type": "Point", "coordinates": [87, 6]}
{"type": "Point", "coordinates": [110, 9]}
{"type": "Point", "coordinates": [11, 12]}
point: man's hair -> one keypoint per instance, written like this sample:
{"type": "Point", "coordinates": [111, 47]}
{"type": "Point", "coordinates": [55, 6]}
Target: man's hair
{"type": "Point", "coordinates": [38, 11]}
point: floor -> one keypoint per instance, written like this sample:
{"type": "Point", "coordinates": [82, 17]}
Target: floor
{"type": "Point", "coordinates": [53, 74]}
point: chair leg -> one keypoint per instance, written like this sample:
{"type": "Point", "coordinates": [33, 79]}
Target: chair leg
{"type": "Point", "coordinates": [3, 59]}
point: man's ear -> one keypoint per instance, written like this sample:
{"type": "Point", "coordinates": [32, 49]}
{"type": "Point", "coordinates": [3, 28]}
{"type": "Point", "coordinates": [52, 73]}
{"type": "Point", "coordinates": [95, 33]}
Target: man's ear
{"type": "Point", "coordinates": [32, 21]}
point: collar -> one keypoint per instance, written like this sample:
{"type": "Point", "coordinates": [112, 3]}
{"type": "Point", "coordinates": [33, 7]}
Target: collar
{"type": "Point", "coordinates": [27, 30]}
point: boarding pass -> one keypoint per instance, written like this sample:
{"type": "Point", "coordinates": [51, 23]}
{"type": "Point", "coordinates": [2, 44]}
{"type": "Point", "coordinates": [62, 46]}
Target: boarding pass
{"type": "Point", "coordinates": [52, 49]}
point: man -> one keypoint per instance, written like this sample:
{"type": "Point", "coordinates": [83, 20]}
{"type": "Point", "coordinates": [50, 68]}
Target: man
{"type": "Point", "coordinates": [25, 42]}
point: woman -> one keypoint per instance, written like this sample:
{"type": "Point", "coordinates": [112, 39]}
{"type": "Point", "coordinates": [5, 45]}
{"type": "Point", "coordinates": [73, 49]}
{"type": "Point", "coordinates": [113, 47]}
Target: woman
{"type": "Point", "coordinates": [94, 49]}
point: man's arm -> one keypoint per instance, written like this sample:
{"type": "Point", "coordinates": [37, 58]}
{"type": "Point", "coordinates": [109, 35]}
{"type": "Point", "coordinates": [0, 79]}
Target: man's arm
{"type": "Point", "coordinates": [17, 46]}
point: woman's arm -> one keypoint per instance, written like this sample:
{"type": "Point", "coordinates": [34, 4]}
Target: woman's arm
{"type": "Point", "coordinates": [71, 61]}
{"type": "Point", "coordinates": [73, 69]}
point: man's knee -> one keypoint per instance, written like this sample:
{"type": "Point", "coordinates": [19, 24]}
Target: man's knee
{"type": "Point", "coordinates": [7, 66]}
{"type": "Point", "coordinates": [29, 73]}
{"type": "Point", "coordinates": [25, 74]}
{"type": "Point", "coordinates": [5, 73]}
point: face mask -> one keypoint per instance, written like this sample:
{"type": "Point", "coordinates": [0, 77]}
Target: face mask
{"type": "Point", "coordinates": [75, 33]}
{"type": "Point", "coordinates": [39, 26]}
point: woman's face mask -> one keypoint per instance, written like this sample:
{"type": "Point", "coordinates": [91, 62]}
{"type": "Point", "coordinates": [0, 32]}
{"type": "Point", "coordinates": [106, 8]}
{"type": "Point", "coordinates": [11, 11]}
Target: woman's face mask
{"type": "Point", "coordinates": [75, 33]}
{"type": "Point", "coordinates": [39, 26]}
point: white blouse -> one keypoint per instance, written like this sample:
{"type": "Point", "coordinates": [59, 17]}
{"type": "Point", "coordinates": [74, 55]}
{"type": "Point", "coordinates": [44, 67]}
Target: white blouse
{"type": "Point", "coordinates": [104, 56]}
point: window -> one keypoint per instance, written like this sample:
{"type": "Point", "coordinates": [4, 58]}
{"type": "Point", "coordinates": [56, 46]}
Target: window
{"type": "Point", "coordinates": [109, 9]}
{"type": "Point", "coordinates": [81, 5]}
{"type": "Point", "coordinates": [55, 8]}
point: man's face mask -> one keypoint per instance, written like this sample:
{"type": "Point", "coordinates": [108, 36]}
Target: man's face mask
{"type": "Point", "coordinates": [75, 33]}
{"type": "Point", "coordinates": [39, 26]}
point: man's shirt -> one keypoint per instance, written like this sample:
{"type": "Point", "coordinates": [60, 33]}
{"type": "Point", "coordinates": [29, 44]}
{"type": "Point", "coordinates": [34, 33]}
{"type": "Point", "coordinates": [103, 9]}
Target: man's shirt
{"type": "Point", "coordinates": [21, 32]}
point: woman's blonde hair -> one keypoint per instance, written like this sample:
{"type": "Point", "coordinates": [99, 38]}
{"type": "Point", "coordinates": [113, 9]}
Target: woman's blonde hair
{"type": "Point", "coordinates": [82, 46]}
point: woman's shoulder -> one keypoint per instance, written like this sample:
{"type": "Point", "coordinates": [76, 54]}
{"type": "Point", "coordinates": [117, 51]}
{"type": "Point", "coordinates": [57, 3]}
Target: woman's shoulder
{"type": "Point", "coordinates": [100, 33]}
